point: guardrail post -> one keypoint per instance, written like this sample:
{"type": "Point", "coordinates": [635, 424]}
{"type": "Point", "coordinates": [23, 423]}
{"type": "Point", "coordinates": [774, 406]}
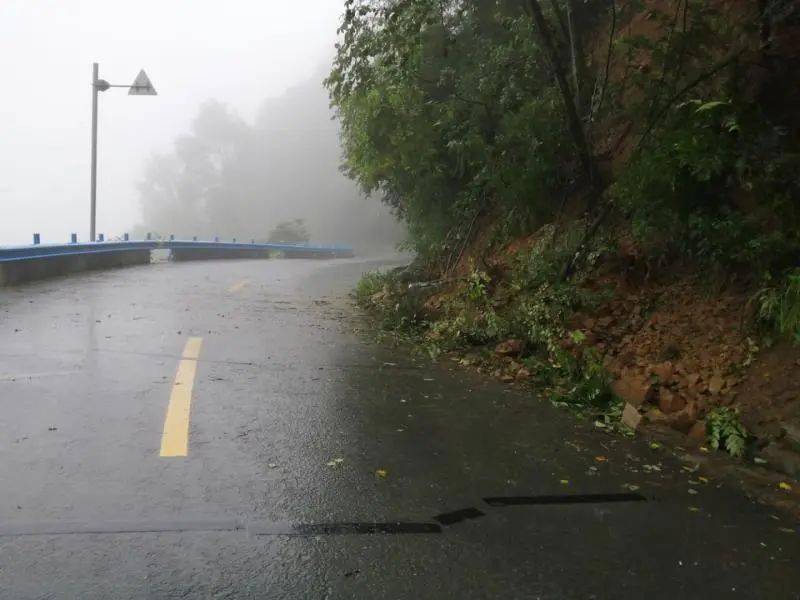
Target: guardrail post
{"type": "Point", "coordinates": [149, 236]}
{"type": "Point", "coordinates": [73, 238]}
{"type": "Point", "coordinates": [101, 237]}
{"type": "Point", "coordinates": [216, 238]}
{"type": "Point", "coordinates": [253, 241]}
{"type": "Point", "coordinates": [36, 238]}
{"type": "Point", "coordinates": [194, 238]}
{"type": "Point", "coordinates": [126, 237]}
{"type": "Point", "coordinates": [234, 240]}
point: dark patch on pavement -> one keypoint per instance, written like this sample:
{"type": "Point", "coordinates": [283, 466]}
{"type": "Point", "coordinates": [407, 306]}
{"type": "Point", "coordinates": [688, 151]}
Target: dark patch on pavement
{"type": "Point", "coordinates": [564, 499]}
{"type": "Point", "coordinates": [457, 516]}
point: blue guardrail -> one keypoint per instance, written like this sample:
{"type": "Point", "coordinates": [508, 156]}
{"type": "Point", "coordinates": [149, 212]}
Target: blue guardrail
{"type": "Point", "coordinates": [218, 249]}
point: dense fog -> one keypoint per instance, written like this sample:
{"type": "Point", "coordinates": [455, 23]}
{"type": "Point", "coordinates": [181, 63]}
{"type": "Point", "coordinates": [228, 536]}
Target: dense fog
{"type": "Point", "coordinates": [234, 179]}
{"type": "Point", "coordinates": [238, 139]}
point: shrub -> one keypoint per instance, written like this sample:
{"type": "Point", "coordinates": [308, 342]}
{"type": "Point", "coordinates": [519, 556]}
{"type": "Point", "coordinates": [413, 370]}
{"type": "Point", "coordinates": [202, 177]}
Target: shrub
{"type": "Point", "coordinates": [370, 284]}
{"type": "Point", "coordinates": [779, 305]}
{"type": "Point", "coordinates": [726, 431]}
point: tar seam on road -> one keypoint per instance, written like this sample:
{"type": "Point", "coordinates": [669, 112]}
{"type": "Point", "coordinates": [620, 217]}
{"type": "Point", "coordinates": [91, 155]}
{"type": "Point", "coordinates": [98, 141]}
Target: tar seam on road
{"type": "Point", "coordinates": [216, 525]}
{"type": "Point", "coordinates": [344, 528]}
{"type": "Point", "coordinates": [457, 516]}
{"type": "Point", "coordinates": [175, 439]}
{"type": "Point", "coordinates": [118, 527]}
{"type": "Point", "coordinates": [564, 499]}
{"type": "Point", "coordinates": [277, 528]}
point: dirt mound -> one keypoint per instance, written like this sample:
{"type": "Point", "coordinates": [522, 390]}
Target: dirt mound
{"type": "Point", "coordinates": [677, 351]}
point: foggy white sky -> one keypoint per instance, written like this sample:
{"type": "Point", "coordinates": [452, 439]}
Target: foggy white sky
{"type": "Point", "coordinates": [237, 51]}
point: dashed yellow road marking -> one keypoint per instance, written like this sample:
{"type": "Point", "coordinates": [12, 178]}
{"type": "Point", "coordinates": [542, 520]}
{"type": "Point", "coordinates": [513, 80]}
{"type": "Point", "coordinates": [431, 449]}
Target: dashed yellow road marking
{"type": "Point", "coordinates": [175, 439]}
{"type": "Point", "coordinates": [237, 287]}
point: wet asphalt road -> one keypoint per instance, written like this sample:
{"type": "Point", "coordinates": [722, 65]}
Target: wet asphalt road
{"type": "Point", "coordinates": [292, 413]}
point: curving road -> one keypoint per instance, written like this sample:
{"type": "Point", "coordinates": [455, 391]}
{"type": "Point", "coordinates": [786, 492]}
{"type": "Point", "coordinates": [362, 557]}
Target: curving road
{"type": "Point", "coordinates": [222, 430]}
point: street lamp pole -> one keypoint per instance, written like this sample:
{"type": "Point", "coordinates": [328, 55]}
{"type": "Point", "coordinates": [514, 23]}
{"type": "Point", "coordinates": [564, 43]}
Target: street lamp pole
{"type": "Point", "coordinates": [93, 217]}
{"type": "Point", "coordinates": [141, 87]}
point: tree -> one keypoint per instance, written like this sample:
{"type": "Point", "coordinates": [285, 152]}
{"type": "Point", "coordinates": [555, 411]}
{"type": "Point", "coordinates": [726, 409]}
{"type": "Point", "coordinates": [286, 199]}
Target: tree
{"type": "Point", "coordinates": [290, 231]}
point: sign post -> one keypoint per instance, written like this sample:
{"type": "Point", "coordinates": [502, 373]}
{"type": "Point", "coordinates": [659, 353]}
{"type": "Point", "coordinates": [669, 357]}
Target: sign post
{"type": "Point", "coordinates": [141, 86]}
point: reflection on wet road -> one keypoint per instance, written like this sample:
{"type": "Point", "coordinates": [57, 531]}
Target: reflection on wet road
{"type": "Point", "coordinates": [221, 430]}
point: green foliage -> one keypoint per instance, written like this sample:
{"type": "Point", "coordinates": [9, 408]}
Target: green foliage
{"type": "Point", "coordinates": [586, 384]}
{"type": "Point", "coordinates": [726, 431]}
{"type": "Point", "coordinates": [778, 305]}
{"type": "Point", "coordinates": [447, 107]}
{"type": "Point", "coordinates": [371, 283]}
{"type": "Point", "coordinates": [477, 286]}
{"type": "Point", "coordinates": [712, 168]}
{"type": "Point", "coordinates": [290, 231]}
{"type": "Point", "coordinates": [449, 113]}
{"type": "Point", "coordinates": [682, 191]}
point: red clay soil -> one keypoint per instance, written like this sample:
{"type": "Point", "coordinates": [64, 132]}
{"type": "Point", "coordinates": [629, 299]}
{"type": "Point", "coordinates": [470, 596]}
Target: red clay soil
{"type": "Point", "coordinates": [676, 351]}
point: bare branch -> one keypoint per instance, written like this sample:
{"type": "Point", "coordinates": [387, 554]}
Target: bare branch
{"type": "Point", "coordinates": [612, 32]}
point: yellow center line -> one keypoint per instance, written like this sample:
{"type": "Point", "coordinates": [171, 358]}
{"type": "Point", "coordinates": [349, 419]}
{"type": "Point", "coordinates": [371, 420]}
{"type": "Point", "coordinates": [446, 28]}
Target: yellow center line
{"type": "Point", "coordinates": [237, 287]}
{"type": "Point", "coordinates": [175, 439]}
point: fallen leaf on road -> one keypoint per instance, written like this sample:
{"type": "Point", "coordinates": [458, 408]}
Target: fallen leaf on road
{"type": "Point", "coordinates": [655, 445]}
{"type": "Point", "coordinates": [565, 482]}
{"type": "Point", "coordinates": [785, 486]}
{"type": "Point", "coordinates": [335, 462]}
{"type": "Point", "coordinates": [382, 473]}
{"type": "Point", "coordinates": [785, 530]}
{"type": "Point", "coordinates": [694, 509]}
{"type": "Point", "coordinates": [630, 487]}
{"type": "Point", "coordinates": [600, 459]}
{"type": "Point", "coordinates": [693, 492]}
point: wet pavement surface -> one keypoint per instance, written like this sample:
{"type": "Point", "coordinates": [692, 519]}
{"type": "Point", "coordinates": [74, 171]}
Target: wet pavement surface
{"type": "Point", "coordinates": [321, 464]}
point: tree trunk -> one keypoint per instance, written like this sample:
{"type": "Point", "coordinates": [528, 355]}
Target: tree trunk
{"type": "Point", "coordinates": [575, 125]}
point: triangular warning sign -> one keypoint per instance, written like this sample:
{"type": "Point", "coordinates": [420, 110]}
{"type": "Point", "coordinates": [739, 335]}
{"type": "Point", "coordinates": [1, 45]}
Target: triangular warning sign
{"type": "Point", "coordinates": [141, 86]}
